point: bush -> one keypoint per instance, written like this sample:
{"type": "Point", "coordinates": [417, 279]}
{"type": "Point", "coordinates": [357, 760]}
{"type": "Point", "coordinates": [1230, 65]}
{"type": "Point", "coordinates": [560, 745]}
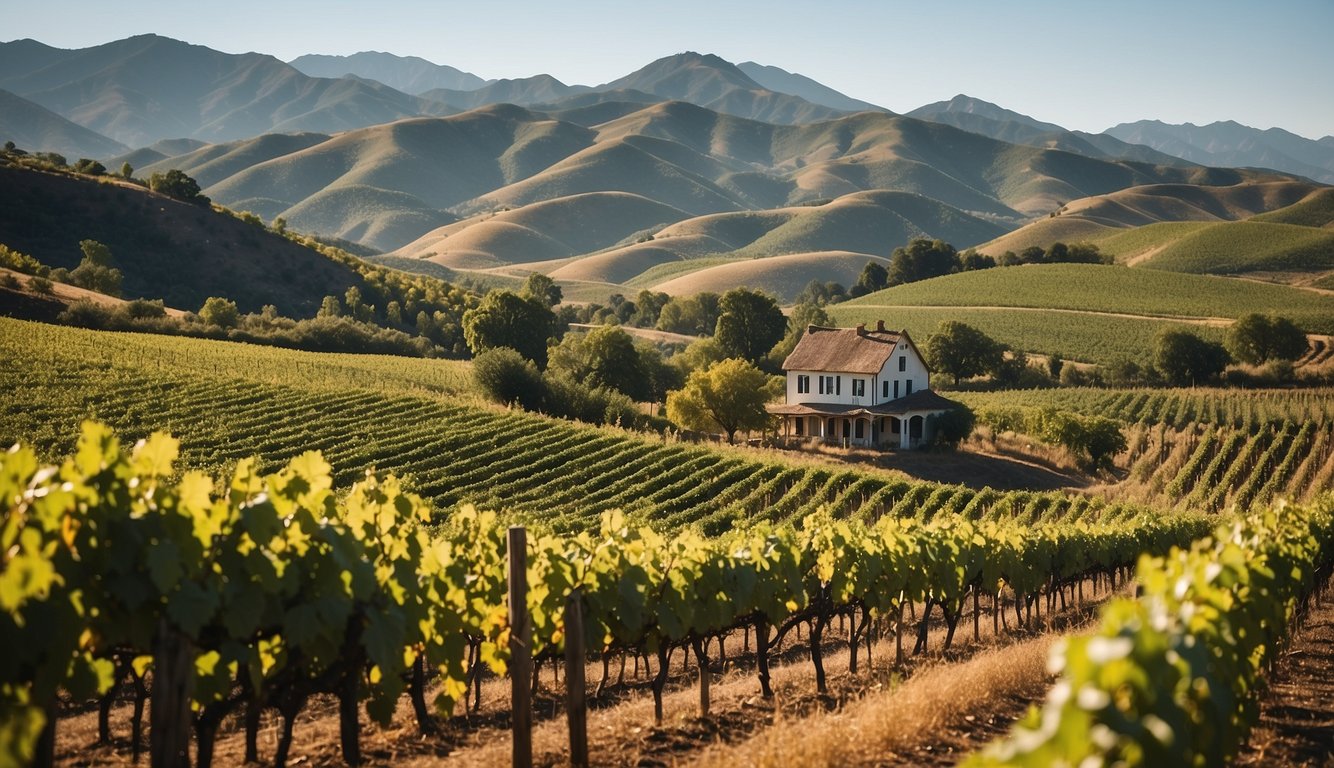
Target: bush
{"type": "Point", "coordinates": [9, 280]}
{"type": "Point", "coordinates": [950, 428]}
{"type": "Point", "coordinates": [1096, 439]}
{"type": "Point", "coordinates": [505, 376]}
{"type": "Point", "coordinates": [41, 285]}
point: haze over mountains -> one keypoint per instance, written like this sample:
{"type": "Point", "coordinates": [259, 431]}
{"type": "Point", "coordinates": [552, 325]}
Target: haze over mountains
{"type": "Point", "coordinates": [688, 159]}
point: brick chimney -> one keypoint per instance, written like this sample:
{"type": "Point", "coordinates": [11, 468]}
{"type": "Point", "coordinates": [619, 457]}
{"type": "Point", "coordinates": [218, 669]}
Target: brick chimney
{"type": "Point", "coordinates": [861, 329]}
{"type": "Point", "coordinates": [879, 326]}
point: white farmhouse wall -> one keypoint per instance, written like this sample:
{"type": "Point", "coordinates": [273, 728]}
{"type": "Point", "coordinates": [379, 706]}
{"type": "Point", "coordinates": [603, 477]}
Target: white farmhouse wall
{"type": "Point", "coordinates": [915, 371]}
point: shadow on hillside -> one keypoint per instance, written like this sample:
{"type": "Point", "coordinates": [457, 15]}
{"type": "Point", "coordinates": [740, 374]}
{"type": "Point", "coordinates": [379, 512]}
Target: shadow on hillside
{"type": "Point", "coordinates": [1001, 471]}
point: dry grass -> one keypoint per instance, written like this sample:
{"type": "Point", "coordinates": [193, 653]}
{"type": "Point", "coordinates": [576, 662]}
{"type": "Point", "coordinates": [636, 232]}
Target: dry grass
{"type": "Point", "coordinates": [918, 721]}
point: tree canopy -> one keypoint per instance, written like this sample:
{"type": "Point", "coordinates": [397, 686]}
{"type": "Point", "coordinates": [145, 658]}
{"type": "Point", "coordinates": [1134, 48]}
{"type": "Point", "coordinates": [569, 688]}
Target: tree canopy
{"type": "Point", "coordinates": [750, 323]}
{"type": "Point", "coordinates": [1257, 339]}
{"type": "Point", "coordinates": [175, 183]}
{"type": "Point", "coordinates": [506, 319]}
{"type": "Point", "coordinates": [1185, 359]}
{"type": "Point", "coordinates": [728, 396]}
{"type": "Point", "coordinates": [962, 351]}
{"type": "Point", "coordinates": [922, 259]}
{"type": "Point", "coordinates": [604, 357]}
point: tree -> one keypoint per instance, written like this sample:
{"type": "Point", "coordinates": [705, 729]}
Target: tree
{"type": "Point", "coordinates": [507, 377]}
{"type": "Point", "coordinates": [126, 170]}
{"type": "Point", "coordinates": [728, 396]}
{"type": "Point", "coordinates": [89, 167]}
{"type": "Point", "coordinates": [971, 260]}
{"type": "Point", "coordinates": [801, 317]}
{"type": "Point", "coordinates": [174, 183]}
{"type": "Point", "coordinates": [604, 357]}
{"type": "Point", "coordinates": [694, 315]}
{"type": "Point", "coordinates": [220, 312]}
{"type": "Point", "coordinates": [95, 271]}
{"type": "Point", "coordinates": [1256, 339]}
{"type": "Point", "coordinates": [331, 307]}
{"type": "Point", "coordinates": [1185, 359]}
{"type": "Point", "coordinates": [962, 351]}
{"type": "Point", "coordinates": [649, 306]}
{"type": "Point", "coordinates": [542, 288]}
{"type": "Point", "coordinates": [506, 319]}
{"type": "Point", "coordinates": [950, 428]}
{"type": "Point", "coordinates": [922, 259]}
{"type": "Point", "coordinates": [749, 324]}
{"type": "Point", "coordinates": [874, 277]}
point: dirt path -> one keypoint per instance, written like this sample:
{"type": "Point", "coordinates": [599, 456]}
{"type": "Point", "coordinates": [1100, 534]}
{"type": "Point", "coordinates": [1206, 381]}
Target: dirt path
{"type": "Point", "coordinates": [1296, 725]}
{"type": "Point", "coordinates": [1144, 256]}
{"type": "Point", "coordinates": [1189, 320]}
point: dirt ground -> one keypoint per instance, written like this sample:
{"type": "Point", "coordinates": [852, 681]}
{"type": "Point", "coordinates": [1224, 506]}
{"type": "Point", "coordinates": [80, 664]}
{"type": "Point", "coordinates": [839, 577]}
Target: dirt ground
{"type": "Point", "coordinates": [1296, 725]}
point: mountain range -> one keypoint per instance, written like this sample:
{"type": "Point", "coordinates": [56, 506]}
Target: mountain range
{"type": "Point", "coordinates": [670, 176]}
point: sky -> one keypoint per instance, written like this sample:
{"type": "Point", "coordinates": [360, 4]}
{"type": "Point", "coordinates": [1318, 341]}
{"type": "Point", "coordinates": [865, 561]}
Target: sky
{"type": "Point", "coordinates": [1082, 64]}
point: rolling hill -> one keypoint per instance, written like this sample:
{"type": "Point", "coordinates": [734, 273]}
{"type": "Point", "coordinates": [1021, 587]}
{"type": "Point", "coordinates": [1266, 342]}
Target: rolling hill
{"type": "Point", "coordinates": [180, 252]}
{"type": "Point", "coordinates": [1104, 217]}
{"type": "Point", "coordinates": [37, 129]}
{"type": "Point", "coordinates": [409, 74]}
{"type": "Point", "coordinates": [783, 276]}
{"type": "Point", "coordinates": [145, 88]}
{"type": "Point", "coordinates": [674, 153]}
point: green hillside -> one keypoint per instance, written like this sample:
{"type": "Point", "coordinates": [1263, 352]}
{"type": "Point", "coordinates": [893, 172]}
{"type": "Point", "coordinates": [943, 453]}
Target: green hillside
{"type": "Point", "coordinates": [1085, 337]}
{"type": "Point", "coordinates": [1117, 289]}
{"type": "Point", "coordinates": [176, 251]}
{"type": "Point", "coordinates": [1234, 248]}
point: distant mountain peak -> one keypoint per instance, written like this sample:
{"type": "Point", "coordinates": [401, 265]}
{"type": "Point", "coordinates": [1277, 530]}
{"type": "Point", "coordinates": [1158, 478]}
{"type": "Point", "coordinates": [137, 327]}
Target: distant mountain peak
{"type": "Point", "coordinates": [971, 105]}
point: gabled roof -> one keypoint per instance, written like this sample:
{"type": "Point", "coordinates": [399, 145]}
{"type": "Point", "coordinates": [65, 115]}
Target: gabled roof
{"type": "Point", "coordinates": [846, 350]}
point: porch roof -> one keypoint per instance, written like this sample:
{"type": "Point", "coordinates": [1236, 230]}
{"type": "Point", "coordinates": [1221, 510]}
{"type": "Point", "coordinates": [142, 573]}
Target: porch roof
{"type": "Point", "coordinates": [926, 401]}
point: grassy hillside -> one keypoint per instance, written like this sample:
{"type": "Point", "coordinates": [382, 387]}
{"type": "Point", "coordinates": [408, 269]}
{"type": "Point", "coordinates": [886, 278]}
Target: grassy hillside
{"type": "Point", "coordinates": [1314, 210]}
{"type": "Point", "coordinates": [1085, 337]}
{"type": "Point", "coordinates": [1116, 289]}
{"type": "Point", "coordinates": [782, 276]}
{"type": "Point", "coordinates": [552, 229]}
{"type": "Point", "coordinates": [180, 252]}
{"type": "Point", "coordinates": [1228, 248]}
{"type": "Point", "coordinates": [37, 129]}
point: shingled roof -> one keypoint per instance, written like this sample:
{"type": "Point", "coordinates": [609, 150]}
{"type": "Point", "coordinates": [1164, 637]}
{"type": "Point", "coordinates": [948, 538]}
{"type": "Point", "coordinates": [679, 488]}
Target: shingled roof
{"type": "Point", "coordinates": [847, 350]}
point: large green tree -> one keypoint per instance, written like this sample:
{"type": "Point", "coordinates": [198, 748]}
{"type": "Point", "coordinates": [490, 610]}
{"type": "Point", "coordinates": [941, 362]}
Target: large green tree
{"type": "Point", "coordinates": [1185, 359]}
{"type": "Point", "coordinates": [922, 259]}
{"type": "Point", "coordinates": [694, 315]}
{"type": "Point", "coordinates": [750, 323]}
{"type": "Point", "coordinates": [506, 319]}
{"type": "Point", "coordinates": [95, 271]}
{"type": "Point", "coordinates": [604, 357]}
{"type": "Point", "coordinates": [962, 351]}
{"type": "Point", "coordinates": [175, 183]}
{"type": "Point", "coordinates": [728, 396]}
{"type": "Point", "coordinates": [1257, 339]}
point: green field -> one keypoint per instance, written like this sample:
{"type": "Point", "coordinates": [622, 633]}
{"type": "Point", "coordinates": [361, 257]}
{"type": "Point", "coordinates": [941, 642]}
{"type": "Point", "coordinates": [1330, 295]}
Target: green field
{"type": "Point", "coordinates": [1100, 288]}
{"type": "Point", "coordinates": [1088, 338]}
{"type": "Point", "coordinates": [224, 408]}
{"type": "Point", "coordinates": [1233, 247]}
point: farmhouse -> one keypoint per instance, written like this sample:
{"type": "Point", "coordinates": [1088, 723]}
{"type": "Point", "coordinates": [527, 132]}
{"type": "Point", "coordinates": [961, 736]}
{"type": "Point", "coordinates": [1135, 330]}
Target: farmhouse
{"type": "Point", "coordinates": [858, 387]}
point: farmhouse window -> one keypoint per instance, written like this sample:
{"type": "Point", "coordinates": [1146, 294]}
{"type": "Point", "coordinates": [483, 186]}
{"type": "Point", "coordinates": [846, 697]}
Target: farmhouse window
{"type": "Point", "coordinates": [903, 362]}
{"type": "Point", "coordinates": [859, 387]}
{"type": "Point", "coordinates": [884, 389]}
{"type": "Point", "coordinates": [803, 385]}
{"type": "Point", "coordinates": [909, 390]}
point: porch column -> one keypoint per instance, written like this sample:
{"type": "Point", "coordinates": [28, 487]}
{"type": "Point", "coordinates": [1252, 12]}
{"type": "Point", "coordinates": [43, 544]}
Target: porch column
{"type": "Point", "coordinates": [903, 432]}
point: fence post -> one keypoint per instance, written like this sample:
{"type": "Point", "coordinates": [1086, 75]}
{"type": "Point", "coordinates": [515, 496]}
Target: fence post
{"type": "Point", "coordinates": [521, 654]}
{"type": "Point", "coordinates": [173, 685]}
{"type": "Point", "coordinates": [576, 706]}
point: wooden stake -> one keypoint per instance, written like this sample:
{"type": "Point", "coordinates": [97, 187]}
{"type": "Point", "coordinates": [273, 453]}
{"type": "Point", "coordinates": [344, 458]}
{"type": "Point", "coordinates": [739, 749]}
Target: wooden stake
{"type": "Point", "coordinates": [521, 654]}
{"type": "Point", "coordinates": [576, 707]}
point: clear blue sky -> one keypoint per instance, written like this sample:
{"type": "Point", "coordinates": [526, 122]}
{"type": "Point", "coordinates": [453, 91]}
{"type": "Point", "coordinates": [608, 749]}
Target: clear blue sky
{"type": "Point", "coordinates": [1086, 65]}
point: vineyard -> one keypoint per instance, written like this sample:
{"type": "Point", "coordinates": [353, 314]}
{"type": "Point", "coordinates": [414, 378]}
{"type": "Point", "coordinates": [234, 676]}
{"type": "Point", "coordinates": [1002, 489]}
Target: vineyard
{"type": "Point", "coordinates": [556, 473]}
{"type": "Point", "coordinates": [1087, 337]}
{"type": "Point", "coordinates": [269, 589]}
{"type": "Point", "coordinates": [1176, 408]}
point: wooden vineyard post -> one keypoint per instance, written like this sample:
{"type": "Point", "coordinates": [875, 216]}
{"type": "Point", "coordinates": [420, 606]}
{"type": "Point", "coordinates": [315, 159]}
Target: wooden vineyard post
{"type": "Point", "coordinates": [521, 655]}
{"type": "Point", "coordinates": [576, 707]}
{"type": "Point", "coordinates": [173, 683]}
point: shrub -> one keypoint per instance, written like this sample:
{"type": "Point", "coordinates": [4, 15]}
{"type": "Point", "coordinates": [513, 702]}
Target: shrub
{"type": "Point", "coordinates": [505, 376]}
{"type": "Point", "coordinates": [950, 428]}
